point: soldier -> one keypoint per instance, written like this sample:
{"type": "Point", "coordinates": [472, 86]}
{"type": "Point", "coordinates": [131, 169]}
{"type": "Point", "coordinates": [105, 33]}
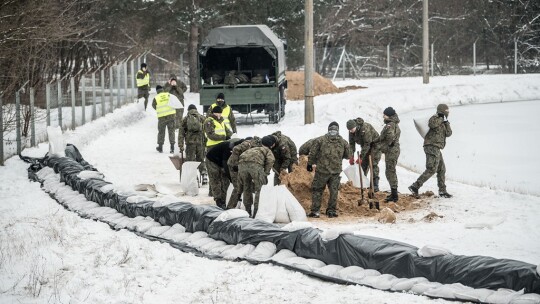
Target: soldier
{"type": "Point", "coordinates": [228, 115]}
{"type": "Point", "coordinates": [389, 143]}
{"type": "Point", "coordinates": [218, 171]}
{"type": "Point", "coordinates": [165, 114]}
{"type": "Point", "coordinates": [434, 142]}
{"type": "Point", "coordinates": [285, 155]}
{"type": "Point", "coordinates": [325, 158]}
{"type": "Point", "coordinates": [176, 88]}
{"type": "Point", "coordinates": [191, 131]}
{"type": "Point", "coordinates": [143, 83]}
{"type": "Point", "coordinates": [253, 168]}
{"type": "Point", "coordinates": [233, 167]}
{"type": "Point", "coordinates": [363, 133]}
{"type": "Point", "coordinates": [306, 147]}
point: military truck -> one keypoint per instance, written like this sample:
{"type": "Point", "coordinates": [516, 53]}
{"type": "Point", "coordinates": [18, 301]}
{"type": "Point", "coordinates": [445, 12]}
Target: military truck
{"type": "Point", "coordinates": [247, 64]}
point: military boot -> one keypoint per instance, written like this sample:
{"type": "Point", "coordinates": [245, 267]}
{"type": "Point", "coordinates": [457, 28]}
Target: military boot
{"type": "Point", "coordinates": [221, 204]}
{"type": "Point", "coordinates": [376, 184]}
{"type": "Point", "coordinates": [159, 148]}
{"type": "Point", "coordinates": [172, 148]}
{"type": "Point", "coordinates": [393, 197]}
{"type": "Point", "coordinates": [314, 214]}
{"type": "Point", "coordinates": [414, 191]}
{"type": "Point", "coordinates": [445, 194]}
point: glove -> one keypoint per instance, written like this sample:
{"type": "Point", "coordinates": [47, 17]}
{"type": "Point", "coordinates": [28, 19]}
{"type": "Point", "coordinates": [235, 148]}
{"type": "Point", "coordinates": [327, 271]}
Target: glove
{"type": "Point", "coordinates": [227, 137]}
{"type": "Point", "coordinates": [235, 168]}
{"type": "Point", "coordinates": [358, 161]}
{"type": "Point", "coordinates": [181, 149]}
{"type": "Point", "coordinates": [309, 168]}
{"type": "Point", "coordinates": [441, 115]}
{"type": "Point", "coordinates": [351, 160]}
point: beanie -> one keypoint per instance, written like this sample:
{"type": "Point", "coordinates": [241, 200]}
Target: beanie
{"type": "Point", "coordinates": [389, 111]}
{"type": "Point", "coordinates": [159, 88]}
{"type": "Point", "coordinates": [442, 108]}
{"type": "Point", "coordinates": [268, 141]}
{"type": "Point", "coordinates": [220, 96]}
{"type": "Point", "coordinates": [192, 107]}
{"type": "Point", "coordinates": [351, 124]}
{"type": "Point", "coordinates": [217, 109]}
{"type": "Point", "coordinates": [143, 65]}
{"type": "Point", "coordinates": [172, 77]}
{"type": "Point", "coordinates": [333, 126]}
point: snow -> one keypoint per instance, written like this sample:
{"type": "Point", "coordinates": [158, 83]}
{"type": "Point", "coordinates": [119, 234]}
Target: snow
{"type": "Point", "coordinates": [50, 254]}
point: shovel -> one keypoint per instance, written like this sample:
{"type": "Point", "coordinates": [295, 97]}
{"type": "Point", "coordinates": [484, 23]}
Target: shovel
{"type": "Point", "coordinates": [362, 198]}
{"type": "Point", "coordinates": [371, 194]}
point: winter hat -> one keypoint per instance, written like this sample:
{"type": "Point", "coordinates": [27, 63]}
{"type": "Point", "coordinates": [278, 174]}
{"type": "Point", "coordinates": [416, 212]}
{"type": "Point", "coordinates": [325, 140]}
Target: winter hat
{"type": "Point", "coordinates": [172, 77]}
{"type": "Point", "coordinates": [143, 65]}
{"type": "Point", "coordinates": [351, 124]}
{"type": "Point", "coordinates": [192, 107]}
{"type": "Point", "coordinates": [268, 141]}
{"type": "Point", "coordinates": [442, 108]}
{"type": "Point", "coordinates": [159, 88]}
{"type": "Point", "coordinates": [333, 126]}
{"type": "Point", "coordinates": [389, 111]}
{"type": "Point", "coordinates": [217, 109]}
{"type": "Point", "coordinates": [220, 96]}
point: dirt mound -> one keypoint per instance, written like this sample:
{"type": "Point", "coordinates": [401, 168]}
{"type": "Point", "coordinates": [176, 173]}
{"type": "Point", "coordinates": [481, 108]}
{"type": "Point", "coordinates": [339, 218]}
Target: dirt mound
{"type": "Point", "coordinates": [299, 183]}
{"type": "Point", "coordinates": [321, 85]}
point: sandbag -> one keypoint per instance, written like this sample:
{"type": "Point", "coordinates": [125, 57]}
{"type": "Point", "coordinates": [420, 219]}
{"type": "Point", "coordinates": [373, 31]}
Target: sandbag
{"type": "Point", "coordinates": [293, 226]}
{"type": "Point", "coordinates": [432, 251]}
{"type": "Point", "coordinates": [294, 209]}
{"type": "Point", "coordinates": [231, 214]}
{"type": "Point", "coordinates": [57, 146]}
{"type": "Point", "coordinates": [282, 216]}
{"type": "Point", "coordinates": [353, 174]}
{"type": "Point", "coordinates": [263, 252]}
{"type": "Point", "coordinates": [422, 125]}
{"type": "Point", "coordinates": [267, 205]}
{"type": "Point", "coordinates": [188, 181]}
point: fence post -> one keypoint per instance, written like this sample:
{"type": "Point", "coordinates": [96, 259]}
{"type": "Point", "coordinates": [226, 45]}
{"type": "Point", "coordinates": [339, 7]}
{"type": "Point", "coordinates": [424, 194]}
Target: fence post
{"type": "Point", "coordinates": [132, 80]}
{"type": "Point", "coordinates": [118, 84]}
{"type": "Point", "coordinates": [111, 80]}
{"type": "Point", "coordinates": [60, 102]}
{"type": "Point", "coordinates": [72, 85]}
{"type": "Point", "coordinates": [32, 118]}
{"type": "Point", "coordinates": [48, 102]}
{"type": "Point", "coordinates": [126, 99]}
{"type": "Point", "coordinates": [94, 114]}
{"type": "Point", "coordinates": [388, 60]}
{"type": "Point", "coordinates": [474, 58]}
{"type": "Point", "coordinates": [102, 75]}
{"type": "Point", "coordinates": [83, 99]}
{"type": "Point", "coordinates": [344, 63]}
{"type": "Point", "coordinates": [432, 70]}
{"type": "Point", "coordinates": [515, 56]}
{"type": "Point", "coordinates": [18, 120]}
{"type": "Point", "coordinates": [2, 132]}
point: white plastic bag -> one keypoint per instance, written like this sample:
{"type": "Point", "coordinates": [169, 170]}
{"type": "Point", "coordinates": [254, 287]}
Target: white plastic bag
{"type": "Point", "coordinates": [263, 252]}
{"type": "Point", "coordinates": [267, 205]}
{"type": "Point", "coordinates": [429, 251]}
{"type": "Point", "coordinates": [422, 125]}
{"type": "Point", "coordinates": [57, 146]}
{"type": "Point", "coordinates": [294, 209]}
{"type": "Point", "coordinates": [282, 216]}
{"type": "Point", "coordinates": [293, 226]}
{"type": "Point", "coordinates": [231, 214]}
{"type": "Point", "coordinates": [174, 102]}
{"type": "Point", "coordinates": [353, 174]}
{"type": "Point", "coordinates": [188, 181]}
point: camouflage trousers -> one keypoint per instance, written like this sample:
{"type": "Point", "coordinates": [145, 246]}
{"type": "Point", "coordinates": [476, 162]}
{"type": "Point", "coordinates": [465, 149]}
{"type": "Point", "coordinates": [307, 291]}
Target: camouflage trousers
{"type": "Point", "coordinates": [375, 159]}
{"type": "Point", "coordinates": [143, 93]}
{"type": "Point", "coordinates": [178, 118]}
{"type": "Point", "coordinates": [218, 181]}
{"type": "Point", "coordinates": [233, 200]}
{"type": "Point", "coordinates": [165, 122]}
{"type": "Point", "coordinates": [195, 152]}
{"type": "Point", "coordinates": [320, 181]}
{"type": "Point", "coordinates": [251, 178]}
{"type": "Point", "coordinates": [434, 164]}
{"type": "Point", "coordinates": [391, 158]}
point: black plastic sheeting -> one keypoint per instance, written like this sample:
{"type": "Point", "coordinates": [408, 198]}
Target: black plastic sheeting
{"type": "Point", "coordinates": [386, 256]}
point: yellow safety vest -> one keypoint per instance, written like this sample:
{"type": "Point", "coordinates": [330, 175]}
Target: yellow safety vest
{"type": "Point", "coordinates": [144, 81]}
{"type": "Point", "coordinates": [219, 129]}
{"type": "Point", "coordinates": [162, 105]}
{"type": "Point", "coordinates": [225, 114]}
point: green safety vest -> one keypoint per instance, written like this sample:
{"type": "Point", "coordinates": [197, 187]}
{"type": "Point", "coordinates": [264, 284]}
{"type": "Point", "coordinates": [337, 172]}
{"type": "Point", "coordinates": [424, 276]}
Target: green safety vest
{"type": "Point", "coordinates": [145, 81]}
{"type": "Point", "coordinates": [219, 129]}
{"type": "Point", "coordinates": [162, 105]}
{"type": "Point", "coordinates": [225, 114]}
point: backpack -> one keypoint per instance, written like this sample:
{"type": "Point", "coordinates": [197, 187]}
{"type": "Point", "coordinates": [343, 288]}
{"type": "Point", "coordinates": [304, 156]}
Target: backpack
{"type": "Point", "coordinates": [193, 123]}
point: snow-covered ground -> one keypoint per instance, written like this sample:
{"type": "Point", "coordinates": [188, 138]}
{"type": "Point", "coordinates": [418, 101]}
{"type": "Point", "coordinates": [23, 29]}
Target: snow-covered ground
{"type": "Point", "coordinates": [48, 254]}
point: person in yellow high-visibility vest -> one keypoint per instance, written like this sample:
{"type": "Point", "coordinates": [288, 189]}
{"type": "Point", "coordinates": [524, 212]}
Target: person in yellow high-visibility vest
{"type": "Point", "coordinates": [228, 116]}
{"type": "Point", "coordinates": [143, 83]}
{"type": "Point", "coordinates": [166, 117]}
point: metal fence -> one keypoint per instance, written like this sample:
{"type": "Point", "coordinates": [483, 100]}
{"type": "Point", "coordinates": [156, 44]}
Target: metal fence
{"type": "Point", "coordinates": [67, 102]}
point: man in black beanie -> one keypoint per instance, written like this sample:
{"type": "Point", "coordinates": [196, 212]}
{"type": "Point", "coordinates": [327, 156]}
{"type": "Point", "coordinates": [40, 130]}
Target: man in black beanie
{"type": "Point", "coordinates": [325, 158]}
{"type": "Point", "coordinates": [389, 144]}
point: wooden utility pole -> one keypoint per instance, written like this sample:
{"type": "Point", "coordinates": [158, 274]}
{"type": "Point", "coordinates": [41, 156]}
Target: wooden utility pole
{"type": "Point", "coordinates": [309, 112]}
{"type": "Point", "coordinates": [425, 43]}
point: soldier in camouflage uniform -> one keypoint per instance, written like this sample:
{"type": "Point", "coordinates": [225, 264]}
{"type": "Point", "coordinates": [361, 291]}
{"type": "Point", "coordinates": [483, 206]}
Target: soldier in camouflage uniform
{"type": "Point", "coordinates": [233, 167]}
{"type": "Point", "coordinates": [218, 170]}
{"type": "Point", "coordinates": [166, 116]}
{"type": "Point", "coordinates": [284, 153]}
{"type": "Point", "coordinates": [253, 168]}
{"type": "Point", "coordinates": [306, 147]}
{"type": "Point", "coordinates": [325, 158]}
{"type": "Point", "coordinates": [193, 136]}
{"type": "Point", "coordinates": [176, 88]}
{"type": "Point", "coordinates": [364, 134]}
{"type": "Point", "coordinates": [434, 142]}
{"type": "Point", "coordinates": [389, 144]}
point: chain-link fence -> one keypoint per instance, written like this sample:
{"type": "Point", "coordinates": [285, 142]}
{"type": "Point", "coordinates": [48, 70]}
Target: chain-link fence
{"type": "Point", "coordinates": [67, 102]}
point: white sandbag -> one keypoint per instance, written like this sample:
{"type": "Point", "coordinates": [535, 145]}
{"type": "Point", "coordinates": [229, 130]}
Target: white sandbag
{"type": "Point", "coordinates": [111, 218]}
{"type": "Point", "coordinates": [303, 263]}
{"type": "Point", "coordinates": [422, 287]}
{"type": "Point", "coordinates": [135, 199]}
{"type": "Point", "coordinates": [334, 233]}
{"type": "Point", "coordinates": [85, 208]}
{"type": "Point", "coordinates": [157, 230]}
{"type": "Point", "coordinates": [294, 209]}
{"type": "Point", "coordinates": [329, 270]}
{"type": "Point", "coordinates": [406, 284]}
{"type": "Point", "coordinates": [174, 102]}
{"type": "Point", "coordinates": [229, 193]}
{"type": "Point", "coordinates": [122, 222]}
{"type": "Point", "coordinates": [104, 212]}
{"type": "Point", "coordinates": [422, 125]}
{"type": "Point", "coordinates": [294, 225]}
{"type": "Point", "coordinates": [238, 251]}
{"type": "Point", "coordinates": [475, 295]}
{"type": "Point", "coordinates": [282, 255]}
{"type": "Point", "coordinates": [220, 249]}
{"type": "Point", "coordinates": [267, 205]}
{"type": "Point", "coordinates": [45, 172]}
{"type": "Point", "coordinates": [188, 181]}
{"type": "Point", "coordinates": [107, 188]}
{"type": "Point", "coordinates": [196, 236]}
{"type": "Point", "coordinates": [145, 225]}
{"type": "Point", "coordinates": [231, 214]}
{"type": "Point", "coordinates": [446, 291]}
{"type": "Point", "coordinates": [169, 188]}
{"type": "Point", "coordinates": [343, 273]}
{"type": "Point", "coordinates": [353, 174]}
{"type": "Point", "coordinates": [208, 247]}
{"type": "Point", "coordinates": [429, 251]}
{"type": "Point", "coordinates": [263, 252]}
{"type": "Point", "coordinates": [62, 199]}
{"type": "Point", "coordinates": [165, 200]}
{"type": "Point", "coordinates": [86, 174]}
{"type": "Point", "coordinates": [503, 296]}
{"type": "Point", "coordinates": [174, 230]}
{"type": "Point", "coordinates": [201, 242]}
{"type": "Point", "coordinates": [528, 298]}
{"type": "Point", "coordinates": [356, 277]}
{"type": "Point", "coordinates": [282, 216]}
{"type": "Point", "coordinates": [134, 221]}
{"type": "Point", "coordinates": [371, 272]}
{"type": "Point", "coordinates": [57, 146]}
{"type": "Point", "coordinates": [180, 237]}
{"type": "Point", "coordinates": [382, 282]}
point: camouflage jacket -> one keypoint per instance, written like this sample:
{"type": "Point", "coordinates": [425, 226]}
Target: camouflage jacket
{"type": "Point", "coordinates": [259, 155]}
{"type": "Point", "coordinates": [189, 136]}
{"type": "Point", "coordinates": [439, 130]}
{"type": "Point", "coordinates": [178, 90]}
{"type": "Point", "coordinates": [241, 148]}
{"type": "Point", "coordinates": [209, 127]}
{"type": "Point", "coordinates": [390, 134]}
{"type": "Point", "coordinates": [365, 135]}
{"type": "Point", "coordinates": [284, 151]}
{"type": "Point", "coordinates": [328, 152]}
{"type": "Point", "coordinates": [306, 147]}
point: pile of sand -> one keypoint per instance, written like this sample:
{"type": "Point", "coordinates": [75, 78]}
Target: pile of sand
{"type": "Point", "coordinates": [321, 85]}
{"type": "Point", "coordinates": [299, 183]}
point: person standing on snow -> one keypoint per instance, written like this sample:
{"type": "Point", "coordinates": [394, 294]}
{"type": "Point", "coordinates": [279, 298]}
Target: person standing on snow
{"type": "Point", "coordinates": [389, 145]}
{"type": "Point", "coordinates": [325, 158]}
{"type": "Point", "coordinates": [233, 167]}
{"type": "Point", "coordinates": [363, 133]}
{"type": "Point", "coordinates": [176, 88]}
{"type": "Point", "coordinates": [434, 142]}
{"type": "Point", "coordinates": [191, 132]}
{"type": "Point", "coordinates": [228, 116]}
{"type": "Point", "coordinates": [285, 155]}
{"type": "Point", "coordinates": [253, 169]}
{"type": "Point", "coordinates": [166, 115]}
{"type": "Point", "coordinates": [143, 83]}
